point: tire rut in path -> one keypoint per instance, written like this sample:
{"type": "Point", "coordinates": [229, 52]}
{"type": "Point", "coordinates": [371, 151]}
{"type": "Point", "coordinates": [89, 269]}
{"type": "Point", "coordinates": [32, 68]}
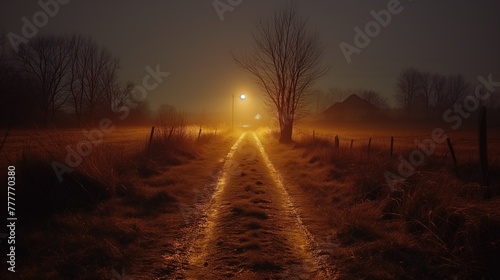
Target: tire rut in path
{"type": "Point", "coordinates": [251, 230]}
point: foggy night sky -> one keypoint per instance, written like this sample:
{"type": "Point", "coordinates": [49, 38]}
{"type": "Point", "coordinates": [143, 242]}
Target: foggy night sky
{"type": "Point", "coordinates": [188, 40]}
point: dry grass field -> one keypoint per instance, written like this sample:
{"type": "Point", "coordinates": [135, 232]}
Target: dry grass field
{"type": "Point", "coordinates": [118, 211]}
{"type": "Point", "coordinates": [110, 213]}
{"type": "Point", "coordinates": [433, 225]}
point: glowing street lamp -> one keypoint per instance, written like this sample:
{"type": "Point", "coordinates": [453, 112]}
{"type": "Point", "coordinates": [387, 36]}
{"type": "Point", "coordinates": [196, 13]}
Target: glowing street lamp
{"type": "Point", "coordinates": [242, 97]}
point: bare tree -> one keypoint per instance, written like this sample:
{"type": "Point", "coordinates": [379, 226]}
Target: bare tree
{"type": "Point", "coordinates": [286, 63]}
{"type": "Point", "coordinates": [118, 95]}
{"type": "Point", "coordinates": [407, 87]}
{"type": "Point", "coordinates": [120, 99]}
{"type": "Point", "coordinates": [426, 86]}
{"type": "Point", "coordinates": [60, 74]}
{"type": "Point", "coordinates": [375, 99]}
{"type": "Point", "coordinates": [95, 63]}
{"type": "Point", "coordinates": [16, 102]}
{"type": "Point", "coordinates": [94, 80]}
{"type": "Point", "coordinates": [75, 87]}
{"type": "Point", "coordinates": [112, 88]}
{"type": "Point", "coordinates": [439, 90]}
{"type": "Point", "coordinates": [456, 88]}
{"type": "Point", "coordinates": [45, 61]}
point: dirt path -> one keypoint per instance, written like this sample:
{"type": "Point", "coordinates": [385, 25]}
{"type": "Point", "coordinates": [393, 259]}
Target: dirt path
{"type": "Point", "coordinates": [250, 229]}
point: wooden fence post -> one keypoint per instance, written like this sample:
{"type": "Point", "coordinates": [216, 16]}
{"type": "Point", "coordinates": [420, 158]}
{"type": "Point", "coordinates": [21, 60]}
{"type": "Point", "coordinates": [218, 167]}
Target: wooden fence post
{"type": "Point", "coordinates": [392, 146]}
{"type": "Point", "coordinates": [151, 137]}
{"type": "Point", "coordinates": [369, 144]}
{"type": "Point", "coordinates": [483, 151]}
{"type": "Point", "coordinates": [452, 151]}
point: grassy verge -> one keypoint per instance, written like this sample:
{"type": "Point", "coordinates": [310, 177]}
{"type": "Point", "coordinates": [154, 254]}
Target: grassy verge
{"type": "Point", "coordinates": [115, 213]}
{"type": "Point", "coordinates": [432, 226]}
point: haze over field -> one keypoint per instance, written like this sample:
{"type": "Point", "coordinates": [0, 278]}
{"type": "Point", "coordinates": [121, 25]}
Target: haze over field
{"type": "Point", "coordinates": [233, 139]}
{"type": "Point", "coordinates": [188, 40]}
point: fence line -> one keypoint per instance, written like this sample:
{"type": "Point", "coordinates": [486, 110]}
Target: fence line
{"type": "Point", "coordinates": [472, 149]}
{"type": "Point", "coordinates": [332, 136]}
{"type": "Point", "coordinates": [397, 145]}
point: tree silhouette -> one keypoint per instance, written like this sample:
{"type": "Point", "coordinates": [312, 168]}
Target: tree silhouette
{"type": "Point", "coordinates": [45, 62]}
{"type": "Point", "coordinates": [93, 77]}
{"type": "Point", "coordinates": [375, 99]}
{"type": "Point", "coordinates": [439, 90]}
{"type": "Point", "coordinates": [426, 85]}
{"type": "Point", "coordinates": [456, 88]}
{"type": "Point", "coordinates": [407, 87]}
{"type": "Point", "coordinates": [286, 63]}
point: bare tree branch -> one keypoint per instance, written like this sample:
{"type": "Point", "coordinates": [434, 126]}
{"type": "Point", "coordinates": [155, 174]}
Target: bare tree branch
{"type": "Point", "coordinates": [285, 63]}
{"type": "Point", "coordinates": [407, 87]}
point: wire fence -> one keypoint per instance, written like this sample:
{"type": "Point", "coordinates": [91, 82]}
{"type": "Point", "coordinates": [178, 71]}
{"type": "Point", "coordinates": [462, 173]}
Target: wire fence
{"type": "Point", "coordinates": [466, 148]}
{"type": "Point", "coordinates": [459, 142]}
{"type": "Point", "coordinates": [53, 141]}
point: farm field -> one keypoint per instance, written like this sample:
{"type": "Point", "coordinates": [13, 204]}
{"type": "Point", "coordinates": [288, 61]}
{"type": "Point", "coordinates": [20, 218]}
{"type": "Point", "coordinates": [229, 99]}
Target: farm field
{"type": "Point", "coordinates": [170, 212]}
{"type": "Point", "coordinates": [465, 142]}
{"type": "Point", "coordinates": [128, 139]}
{"type": "Point", "coordinates": [250, 140]}
{"type": "Point", "coordinates": [120, 196]}
{"type": "Point", "coordinates": [426, 226]}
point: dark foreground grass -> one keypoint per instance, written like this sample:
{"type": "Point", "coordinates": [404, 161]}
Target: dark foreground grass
{"type": "Point", "coordinates": [94, 222]}
{"type": "Point", "coordinates": [433, 225]}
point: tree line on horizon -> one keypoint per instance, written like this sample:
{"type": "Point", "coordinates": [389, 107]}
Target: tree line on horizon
{"type": "Point", "coordinates": [61, 80]}
{"type": "Point", "coordinates": [416, 89]}
{"type": "Point", "coordinates": [69, 80]}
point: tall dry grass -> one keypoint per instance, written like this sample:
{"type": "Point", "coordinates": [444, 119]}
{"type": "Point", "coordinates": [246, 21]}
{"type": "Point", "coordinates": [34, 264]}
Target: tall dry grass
{"type": "Point", "coordinates": [92, 180]}
{"type": "Point", "coordinates": [107, 170]}
{"type": "Point", "coordinates": [433, 224]}
{"type": "Point", "coordinates": [92, 224]}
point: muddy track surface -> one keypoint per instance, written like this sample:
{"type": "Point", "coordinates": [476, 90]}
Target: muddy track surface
{"type": "Point", "coordinates": [249, 228]}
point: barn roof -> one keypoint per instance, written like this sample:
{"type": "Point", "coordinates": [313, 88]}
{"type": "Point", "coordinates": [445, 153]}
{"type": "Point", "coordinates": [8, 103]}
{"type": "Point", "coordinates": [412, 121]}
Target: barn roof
{"type": "Point", "coordinates": [351, 103]}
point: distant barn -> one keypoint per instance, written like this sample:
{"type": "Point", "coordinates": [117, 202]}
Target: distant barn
{"type": "Point", "coordinates": [352, 109]}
